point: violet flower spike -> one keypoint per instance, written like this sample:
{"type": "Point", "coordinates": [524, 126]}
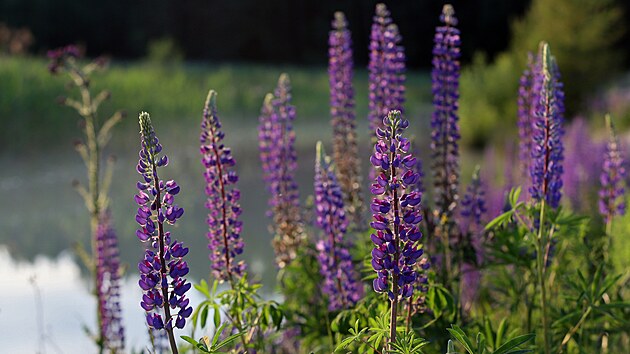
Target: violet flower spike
{"type": "Point", "coordinates": [108, 286]}
{"type": "Point", "coordinates": [548, 151]}
{"type": "Point", "coordinates": [342, 111]}
{"type": "Point", "coordinates": [473, 205]}
{"type": "Point", "coordinates": [396, 211]}
{"type": "Point", "coordinates": [224, 234]}
{"type": "Point", "coordinates": [386, 68]}
{"type": "Point", "coordinates": [444, 120]}
{"type": "Point", "coordinates": [527, 95]}
{"type": "Point", "coordinates": [396, 215]}
{"type": "Point", "coordinates": [612, 193]}
{"type": "Point", "coordinates": [163, 269]}
{"type": "Point", "coordinates": [279, 160]}
{"type": "Point", "coordinates": [341, 282]}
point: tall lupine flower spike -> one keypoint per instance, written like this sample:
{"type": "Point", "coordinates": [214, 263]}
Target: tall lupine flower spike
{"type": "Point", "coordinates": [527, 95]}
{"type": "Point", "coordinates": [547, 151]}
{"type": "Point", "coordinates": [224, 233]}
{"type": "Point", "coordinates": [163, 269]}
{"type": "Point", "coordinates": [612, 193]}
{"type": "Point", "coordinates": [345, 148]}
{"type": "Point", "coordinates": [386, 68]}
{"type": "Point", "coordinates": [473, 205]}
{"type": "Point", "coordinates": [473, 210]}
{"type": "Point", "coordinates": [396, 214]}
{"type": "Point", "coordinates": [108, 287]}
{"type": "Point", "coordinates": [444, 121]}
{"type": "Point", "coordinates": [279, 160]}
{"type": "Point", "coordinates": [584, 155]}
{"type": "Point", "coordinates": [341, 281]}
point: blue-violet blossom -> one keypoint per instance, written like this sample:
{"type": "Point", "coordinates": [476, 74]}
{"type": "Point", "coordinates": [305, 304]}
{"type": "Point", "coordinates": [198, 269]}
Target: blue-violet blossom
{"type": "Point", "coordinates": [163, 269]}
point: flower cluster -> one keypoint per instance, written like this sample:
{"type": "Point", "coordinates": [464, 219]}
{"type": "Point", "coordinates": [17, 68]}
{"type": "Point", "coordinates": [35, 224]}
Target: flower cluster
{"type": "Point", "coordinates": [345, 148]}
{"type": "Point", "coordinates": [547, 150]}
{"type": "Point", "coordinates": [163, 259]}
{"type": "Point", "coordinates": [396, 210]}
{"type": "Point", "coordinates": [444, 121]}
{"type": "Point", "coordinates": [276, 139]}
{"type": "Point", "coordinates": [108, 286]}
{"type": "Point", "coordinates": [386, 68]}
{"type": "Point", "coordinates": [611, 194]}
{"type": "Point", "coordinates": [224, 210]}
{"type": "Point", "coordinates": [341, 281]}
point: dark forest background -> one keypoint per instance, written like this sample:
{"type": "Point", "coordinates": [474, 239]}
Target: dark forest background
{"type": "Point", "coordinates": [271, 31]}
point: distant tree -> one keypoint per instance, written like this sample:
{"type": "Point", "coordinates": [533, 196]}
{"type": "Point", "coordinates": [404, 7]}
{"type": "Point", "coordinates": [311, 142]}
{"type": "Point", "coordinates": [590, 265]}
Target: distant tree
{"type": "Point", "coordinates": [585, 38]}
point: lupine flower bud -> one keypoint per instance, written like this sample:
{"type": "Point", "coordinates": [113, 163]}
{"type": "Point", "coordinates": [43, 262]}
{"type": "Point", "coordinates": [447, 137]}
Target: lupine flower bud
{"type": "Point", "coordinates": [279, 159]}
{"type": "Point", "coordinates": [163, 268]}
{"type": "Point", "coordinates": [386, 68]}
{"type": "Point", "coordinates": [345, 149]}
{"type": "Point", "coordinates": [108, 286]}
{"type": "Point", "coordinates": [223, 208]}
{"type": "Point", "coordinates": [612, 193]}
{"type": "Point", "coordinates": [547, 150]}
{"type": "Point", "coordinates": [341, 281]}
{"type": "Point", "coordinates": [444, 121]}
{"type": "Point", "coordinates": [396, 211]}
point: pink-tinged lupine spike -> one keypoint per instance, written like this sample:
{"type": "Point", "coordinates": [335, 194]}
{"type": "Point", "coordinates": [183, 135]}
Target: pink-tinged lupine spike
{"type": "Point", "coordinates": [612, 193]}
{"type": "Point", "coordinates": [583, 155]}
{"type": "Point", "coordinates": [108, 286]}
{"type": "Point", "coordinates": [386, 68]}
{"type": "Point", "coordinates": [224, 233]}
{"type": "Point", "coordinates": [276, 139]}
{"type": "Point", "coordinates": [445, 119]}
{"type": "Point", "coordinates": [341, 284]}
{"type": "Point", "coordinates": [342, 111]}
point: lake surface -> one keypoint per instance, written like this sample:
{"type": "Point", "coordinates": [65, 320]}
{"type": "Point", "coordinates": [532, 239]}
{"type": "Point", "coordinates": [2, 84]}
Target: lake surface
{"type": "Point", "coordinates": [42, 217]}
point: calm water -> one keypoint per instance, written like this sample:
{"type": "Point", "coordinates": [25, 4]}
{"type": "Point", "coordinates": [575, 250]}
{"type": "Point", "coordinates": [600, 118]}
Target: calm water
{"type": "Point", "coordinates": [43, 217]}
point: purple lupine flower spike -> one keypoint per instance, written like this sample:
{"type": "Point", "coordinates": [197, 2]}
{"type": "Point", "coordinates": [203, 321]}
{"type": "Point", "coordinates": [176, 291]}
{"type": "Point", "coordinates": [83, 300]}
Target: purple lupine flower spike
{"type": "Point", "coordinates": [279, 160]}
{"type": "Point", "coordinates": [547, 151]}
{"type": "Point", "coordinates": [108, 286]}
{"type": "Point", "coordinates": [386, 68]}
{"type": "Point", "coordinates": [345, 148]}
{"type": "Point", "coordinates": [612, 193]}
{"type": "Point", "coordinates": [473, 205]}
{"type": "Point", "coordinates": [473, 211]}
{"type": "Point", "coordinates": [584, 156]}
{"type": "Point", "coordinates": [224, 233]}
{"type": "Point", "coordinates": [341, 281]}
{"type": "Point", "coordinates": [396, 211]}
{"type": "Point", "coordinates": [163, 269]}
{"type": "Point", "coordinates": [444, 121]}
{"type": "Point", "coordinates": [526, 98]}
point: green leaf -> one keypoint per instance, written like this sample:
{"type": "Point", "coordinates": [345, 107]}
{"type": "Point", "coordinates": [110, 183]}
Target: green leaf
{"type": "Point", "coordinates": [189, 340]}
{"type": "Point", "coordinates": [227, 341]}
{"type": "Point", "coordinates": [461, 337]}
{"type": "Point", "coordinates": [500, 333]}
{"type": "Point", "coordinates": [217, 316]}
{"type": "Point", "coordinates": [204, 316]}
{"type": "Point", "coordinates": [513, 343]}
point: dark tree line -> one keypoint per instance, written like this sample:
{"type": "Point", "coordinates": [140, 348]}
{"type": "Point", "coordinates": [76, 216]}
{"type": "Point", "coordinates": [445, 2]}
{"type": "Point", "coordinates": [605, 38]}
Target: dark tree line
{"type": "Point", "coordinates": [284, 31]}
